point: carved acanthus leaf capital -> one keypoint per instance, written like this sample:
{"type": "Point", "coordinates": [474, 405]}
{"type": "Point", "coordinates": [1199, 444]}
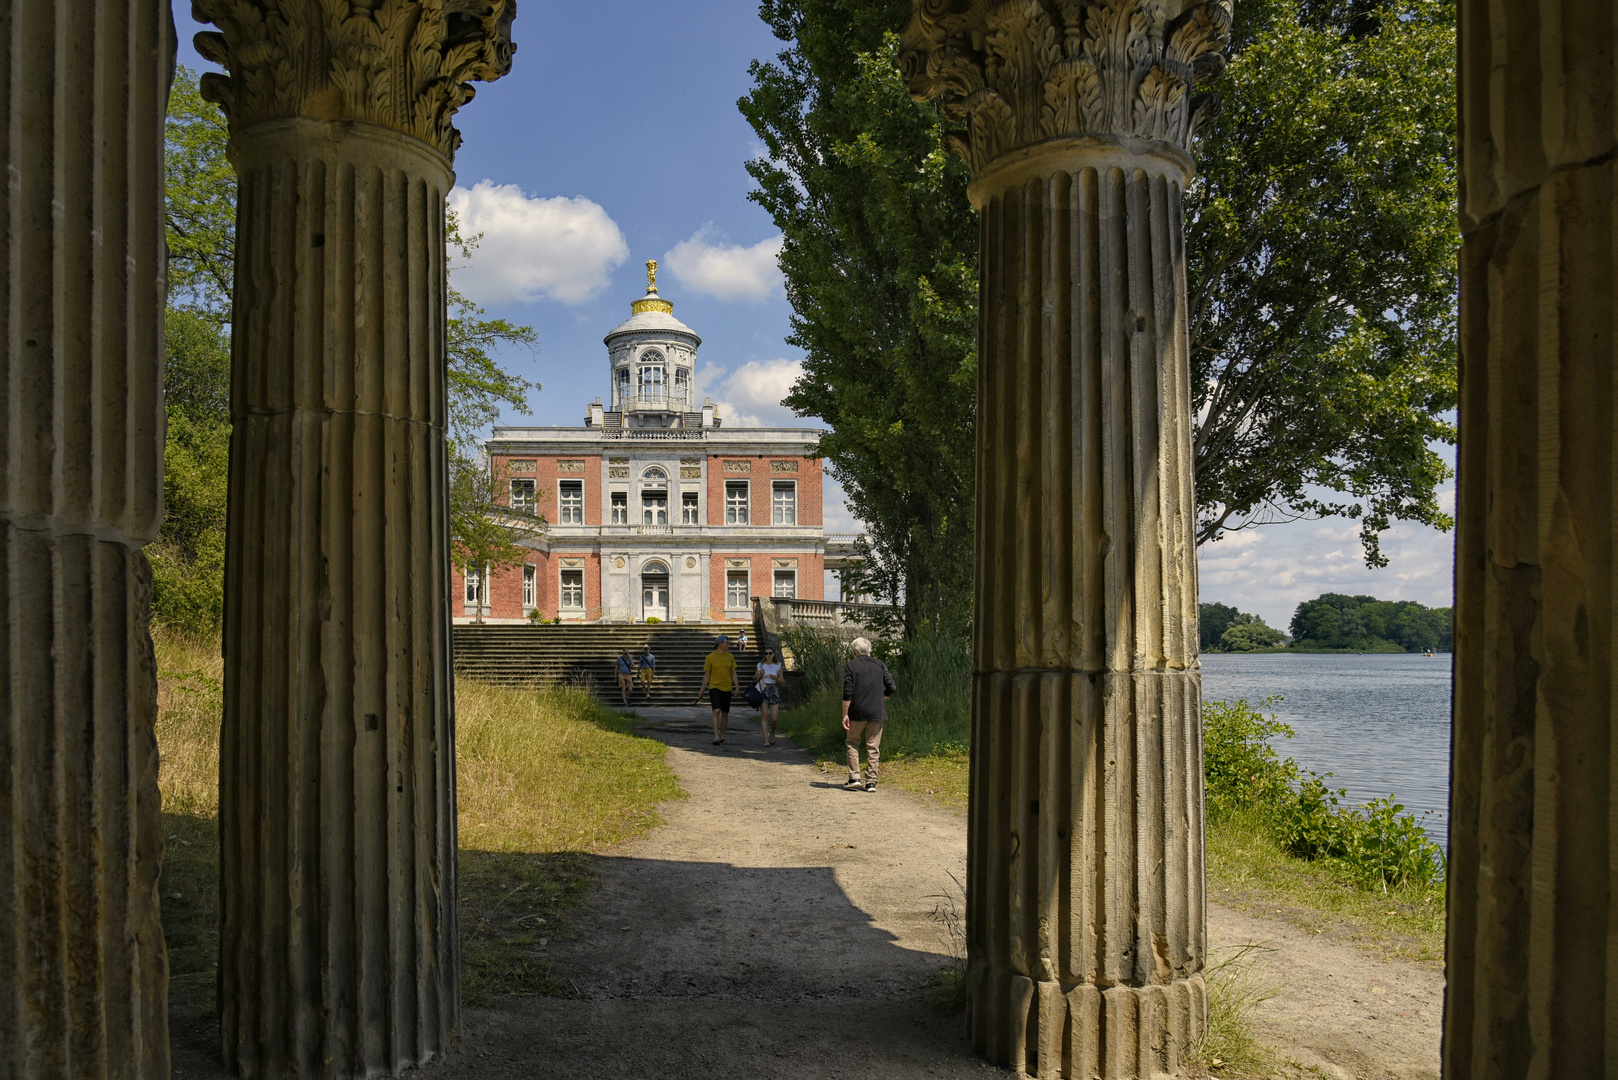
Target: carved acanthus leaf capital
{"type": "Point", "coordinates": [1013, 73]}
{"type": "Point", "coordinates": [403, 64]}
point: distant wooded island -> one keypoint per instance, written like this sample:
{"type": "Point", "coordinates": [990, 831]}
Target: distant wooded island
{"type": "Point", "coordinates": [1332, 621]}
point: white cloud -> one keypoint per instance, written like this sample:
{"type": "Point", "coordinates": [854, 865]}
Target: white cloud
{"type": "Point", "coordinates": [553, 248]}
{"type": "Point", "coordinates": [751, 395]}
{"type": "Point", "coordinates": [1270, 570]}
{"type": "Point", "coordinates": [727, 271]}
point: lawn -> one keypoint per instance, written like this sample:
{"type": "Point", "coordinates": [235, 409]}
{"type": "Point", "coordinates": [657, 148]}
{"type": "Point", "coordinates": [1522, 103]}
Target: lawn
{"type": "Point", "coordinates": [545, 777]}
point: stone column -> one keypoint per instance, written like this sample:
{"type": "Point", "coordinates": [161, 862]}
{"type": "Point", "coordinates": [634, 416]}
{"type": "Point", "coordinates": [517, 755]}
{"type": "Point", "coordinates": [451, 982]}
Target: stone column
{"type": "Point", "coordinates": [83, 976]}
{"type": "Point", "coordinates": [338, 950]}
{"type": "Point", "coordinates": [1085, 905]}
{"type": "Point", "coordinates": [1532, 973]}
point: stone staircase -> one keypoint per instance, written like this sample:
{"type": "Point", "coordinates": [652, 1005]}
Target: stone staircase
{"type": "Point", "coordinates": [524, 655]}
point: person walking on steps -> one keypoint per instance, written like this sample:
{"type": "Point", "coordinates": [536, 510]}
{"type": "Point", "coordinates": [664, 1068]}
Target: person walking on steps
{"type": "Point", "coordinates": [741, 643]}
{"type": "Point", "coordinates": [770, 679]}
{"type": "Point", "coordinates": [719, 670]}
{"type": "Point", "coordinates": [648, 667]}
{"type": "Point", "coordinates": [867, 685]}
{"type": "Point", "coordinates": [626, 675]}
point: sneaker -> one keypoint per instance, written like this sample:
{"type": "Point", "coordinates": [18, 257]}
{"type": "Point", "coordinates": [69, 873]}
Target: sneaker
{"type": "Point", "coordinates": [853, 782]}
{"type": "Point", "coordinates": [870, 785]}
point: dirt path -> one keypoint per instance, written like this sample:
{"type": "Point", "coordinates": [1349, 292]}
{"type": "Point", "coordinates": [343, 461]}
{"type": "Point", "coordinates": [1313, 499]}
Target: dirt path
{"type": "Point", "coordinates": [779, 926]}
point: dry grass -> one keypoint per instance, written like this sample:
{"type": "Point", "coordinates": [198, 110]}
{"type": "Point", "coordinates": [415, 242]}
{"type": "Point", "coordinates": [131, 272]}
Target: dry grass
{"type": "Point", "coordinates": [546, 777]}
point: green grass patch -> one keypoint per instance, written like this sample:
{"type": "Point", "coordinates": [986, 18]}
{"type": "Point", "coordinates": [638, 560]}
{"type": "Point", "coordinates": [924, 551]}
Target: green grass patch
{"type": "Point", "coordinates": [546, 777]}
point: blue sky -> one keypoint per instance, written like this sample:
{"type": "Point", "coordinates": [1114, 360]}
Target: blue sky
{"type": "Point", "coordinates": [616, 139]}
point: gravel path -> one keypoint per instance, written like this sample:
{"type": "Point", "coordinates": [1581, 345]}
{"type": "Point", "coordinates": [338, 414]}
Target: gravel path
{"type": "Point", "coordinates": [781, 926]}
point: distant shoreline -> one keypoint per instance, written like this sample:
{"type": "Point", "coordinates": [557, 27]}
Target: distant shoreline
{"type": "Point", "coordinates": [1287, 651]}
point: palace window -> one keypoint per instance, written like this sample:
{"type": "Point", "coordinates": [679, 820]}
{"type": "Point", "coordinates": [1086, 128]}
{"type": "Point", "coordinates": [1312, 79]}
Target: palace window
{"type": "Point", "coordinates": [735, 589]}
{"type": "Point", "coordinates": [784, 503]}
{"type": "Point", "coordinates": [690, 509]}
{"type": "Point", "coordinates": [736, 502]}
{"type": "Point", "coordinates": [474, 585]}
{"type": "Point", "coordinates": [620, 508]}
{"type": "Point", "coordinates": [786, 584]}
{"type": "Point", "coordinates": [528, 583]}
{"type": "Point", "coordinates": [654, 509]}
{"type": "Point", "coordinates": [573, 590]}
{"type": "Point", "coordinates": [656, 472]}
{"type": "Point", "coordinates": [623, 381]}
{"type": "Point", "coordinates": [522, 496]}
{"type": "Point", "coordinates": [651, 382]}
{"type": "Point", "coordinates": [572, 501]}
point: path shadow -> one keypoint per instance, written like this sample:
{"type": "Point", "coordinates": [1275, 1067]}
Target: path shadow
{"type": "Point", "coordinates": [696, 969]}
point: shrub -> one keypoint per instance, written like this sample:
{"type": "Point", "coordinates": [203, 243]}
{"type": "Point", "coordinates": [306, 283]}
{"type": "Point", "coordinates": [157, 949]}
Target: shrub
{"type": "Point", "coordinates": [1378, 844]}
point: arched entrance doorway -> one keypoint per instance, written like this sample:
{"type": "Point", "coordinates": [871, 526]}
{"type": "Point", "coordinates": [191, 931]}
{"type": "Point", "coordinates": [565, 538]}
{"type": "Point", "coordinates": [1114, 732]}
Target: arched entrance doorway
{"type": "Point", "coordinates": [654, 590]}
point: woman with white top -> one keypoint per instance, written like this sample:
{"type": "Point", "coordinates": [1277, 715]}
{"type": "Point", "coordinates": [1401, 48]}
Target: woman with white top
{"type": "Point", "coordinates": [770, 679]}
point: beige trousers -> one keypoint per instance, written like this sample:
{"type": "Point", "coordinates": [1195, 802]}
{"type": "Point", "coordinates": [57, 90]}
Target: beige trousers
{"type": "Point", "coordinates": [869, 732]}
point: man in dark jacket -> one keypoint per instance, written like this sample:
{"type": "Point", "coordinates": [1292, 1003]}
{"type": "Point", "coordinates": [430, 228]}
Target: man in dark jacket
{"type": "Point", "coordinates": [867, 684]}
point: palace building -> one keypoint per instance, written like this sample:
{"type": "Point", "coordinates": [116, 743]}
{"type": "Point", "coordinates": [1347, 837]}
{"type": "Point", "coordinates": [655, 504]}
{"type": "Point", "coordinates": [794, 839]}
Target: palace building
{"type": "Point", "coordinates": [652, 509]}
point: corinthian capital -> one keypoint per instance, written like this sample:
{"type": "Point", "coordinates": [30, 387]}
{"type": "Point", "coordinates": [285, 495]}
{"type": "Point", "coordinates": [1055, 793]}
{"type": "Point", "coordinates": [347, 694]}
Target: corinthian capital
{"type": "Point", "coordinates": [403, 64]}
{"type": "Point", "coordinates": [1013, 73]}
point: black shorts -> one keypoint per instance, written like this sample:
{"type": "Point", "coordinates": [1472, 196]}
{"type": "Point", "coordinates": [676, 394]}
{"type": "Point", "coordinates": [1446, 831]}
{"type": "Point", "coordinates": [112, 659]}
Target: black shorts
{"type": "Point", "coordinates": [720, 699]}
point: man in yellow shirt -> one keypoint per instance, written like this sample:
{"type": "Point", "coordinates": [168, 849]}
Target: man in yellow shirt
{"type": "Point", "coordinates": [719, 669]}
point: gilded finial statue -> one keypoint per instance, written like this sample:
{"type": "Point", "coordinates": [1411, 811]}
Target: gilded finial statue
{"type": "Point", "coordinates": [651, 275]}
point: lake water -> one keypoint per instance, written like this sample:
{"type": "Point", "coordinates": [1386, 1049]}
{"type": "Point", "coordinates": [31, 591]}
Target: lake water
{"type": "Point", "coordinates": [1379, 722]}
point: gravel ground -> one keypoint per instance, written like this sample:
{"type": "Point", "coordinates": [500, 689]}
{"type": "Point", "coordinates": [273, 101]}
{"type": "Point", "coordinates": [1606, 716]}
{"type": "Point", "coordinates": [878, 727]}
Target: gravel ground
{"type": "Point", "coordinates": [782, 926]}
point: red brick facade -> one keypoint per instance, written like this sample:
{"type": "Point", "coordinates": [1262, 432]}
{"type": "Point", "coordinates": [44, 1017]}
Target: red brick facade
{"type": "Point", "coordinates": [761, 472]}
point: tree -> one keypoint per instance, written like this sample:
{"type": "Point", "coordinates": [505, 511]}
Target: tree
{"type": "Point", "coordinates": [1337, 621]}
{"type": "Point", "coordinates": [1213, 620]}
{"type": "Point", "coordinates": [1321, 235]}
{"type": "Point", "coordinates": [1321, 282]}
{"type": "Point", "coordinates": [200, 200]}
{"type": "Point", "coordinates": [880, 261]}
{"type": "Point", "coordinates": [1248, 633]}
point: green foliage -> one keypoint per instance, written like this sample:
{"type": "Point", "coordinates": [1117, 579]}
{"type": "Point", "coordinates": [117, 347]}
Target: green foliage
{"type": "Point", "coordinates": [1240, 766]}
{"type": "Point", "coordinates": [1377, 845]}
{"type": "Point", "coordinates": [880, 258]}
{"type": "Point", "coordinates": [1364, 623]}
{"type": "Point", "coordinates": [1322, 239]}
{"type": "Point", "coordinates": [1213, 620]}
{"type": "Point", "coordinates": [1224, 629]}
{"type": "Point", "coordinates": [200, 200]}
{"type": "Point", "coordinates": [1321, 235]}
{"type": "Point", "coordinates": [1248, 633]}
{"type": "Point", "coordinates": [200, 219]}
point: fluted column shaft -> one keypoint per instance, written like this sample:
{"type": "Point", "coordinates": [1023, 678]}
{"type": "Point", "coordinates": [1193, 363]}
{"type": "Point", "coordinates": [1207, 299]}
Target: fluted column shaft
{"type": "Point", "coordinates": [1532, 987]}
{"type": "Point", "coordinates": [1085, 908]}
{"type": "Point", "coordinates": [337, 815]}
{"type": "Point", "coordinates": [83, 976]}
{"type": "Point", "coordinates": [1085, 864]}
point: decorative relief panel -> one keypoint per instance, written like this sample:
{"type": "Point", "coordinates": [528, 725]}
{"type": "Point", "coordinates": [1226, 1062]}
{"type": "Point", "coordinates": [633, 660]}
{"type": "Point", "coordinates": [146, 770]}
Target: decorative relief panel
{"type": "Point", "coordinates": [570, 466]}
{"type": "Point", "coordinates": [520, 465]}
{"type": "Point", "coordinates": [617, 461]}
{"type": "Point", "coordinates": [690, 472]}
{"type": "Point", "coordinates": [690, 461]}
{"type": "Point", "coordinates": [738, 564]}
{"type": "Point", "coordinates": [618, 563]}
{"type": "Point", "coordinates": [618, 472]}
{"type": "Point", "coordinates": [783, 466]}
{"type": "Point", "coordinates": [785, 564]}
{"type": "Point", "coordinates": [738, 468]}
{"type": "Point", "coordinates": [572, 564]}
{"type": "Point", "coordinates": [690, 562]}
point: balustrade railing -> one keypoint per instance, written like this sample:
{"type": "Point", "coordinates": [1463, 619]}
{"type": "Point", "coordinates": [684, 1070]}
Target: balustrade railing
{"type": "Point", "coordinates": [679, 434]}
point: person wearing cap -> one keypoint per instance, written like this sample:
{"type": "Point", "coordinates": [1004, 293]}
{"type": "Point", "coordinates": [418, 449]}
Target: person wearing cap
{"type": "Point", "coordinates": [719, 669]}
{"type": "Point", "coordinates": [648, 667]}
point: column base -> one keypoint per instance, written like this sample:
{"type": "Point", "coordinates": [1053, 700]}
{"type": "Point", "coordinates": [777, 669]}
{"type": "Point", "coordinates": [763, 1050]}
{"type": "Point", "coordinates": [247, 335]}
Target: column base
{"type": "Point", "coordinates": [1048, 1029]}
